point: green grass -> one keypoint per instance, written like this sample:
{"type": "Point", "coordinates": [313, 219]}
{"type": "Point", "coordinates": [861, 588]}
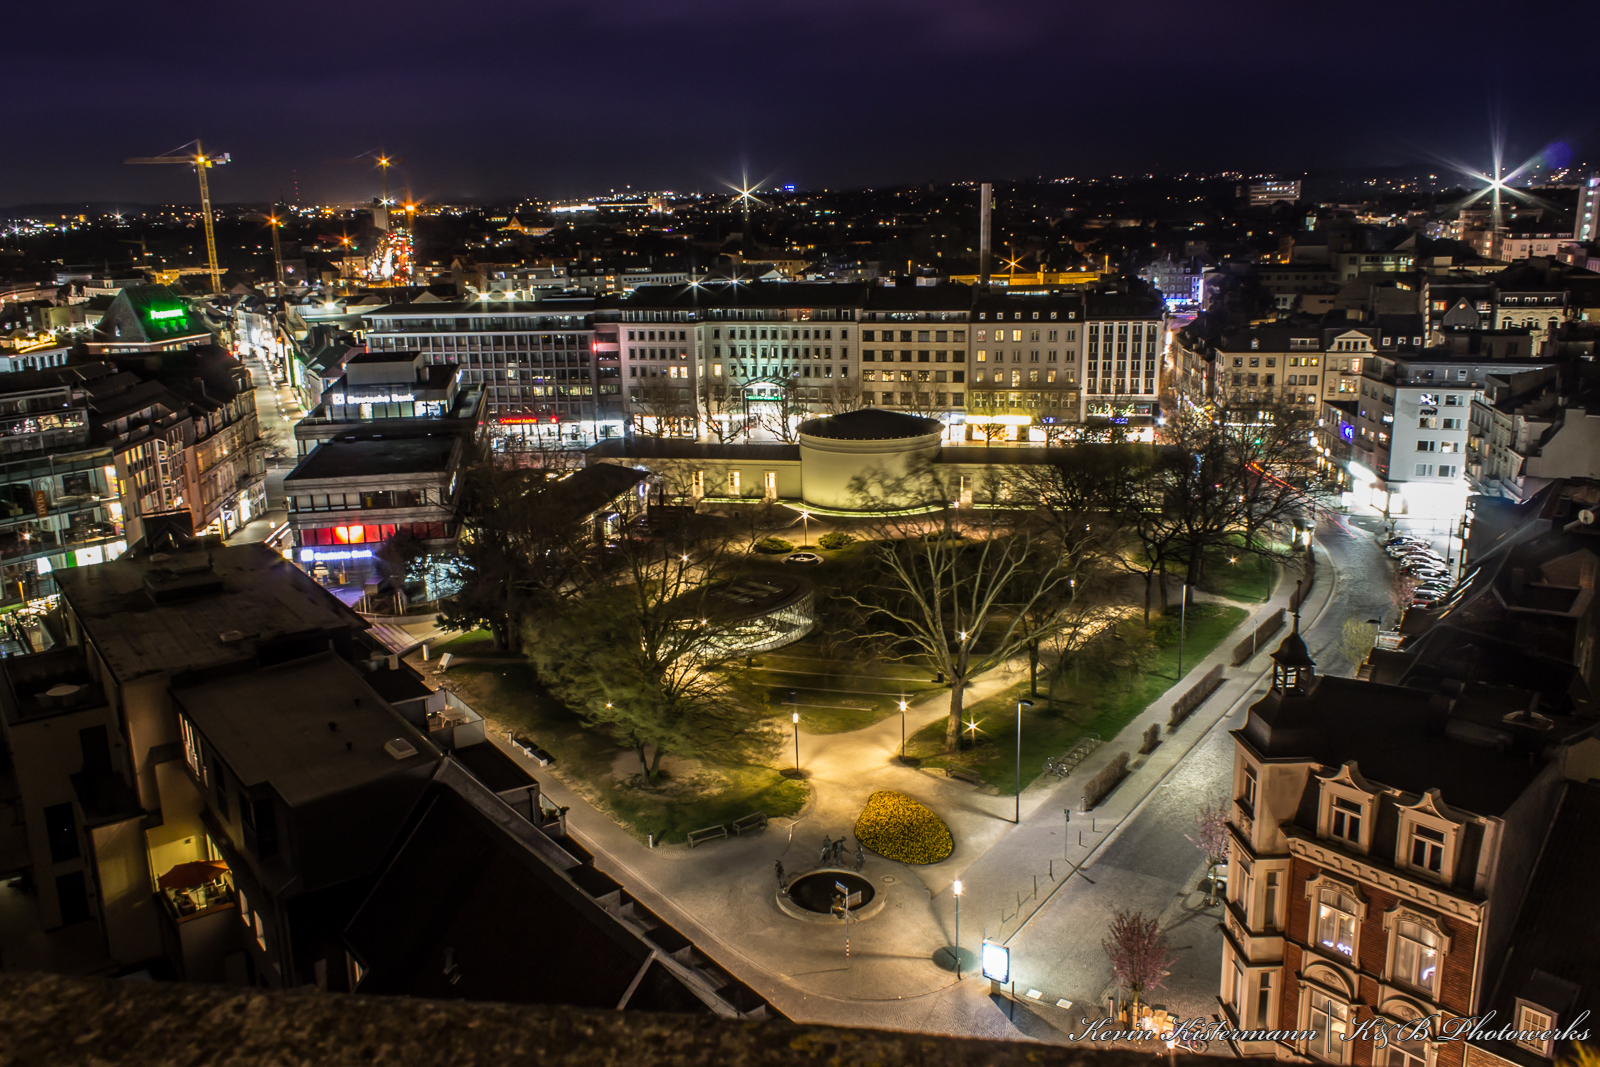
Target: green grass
{"type": "Point", "coordinates": [505, 689]}
{"type": "Point", "coordinates": [1102, 703]}
{"type": "Point", "coordinates": [473, 641]}
{"type": "Point", "coordinates": [1249, 578]}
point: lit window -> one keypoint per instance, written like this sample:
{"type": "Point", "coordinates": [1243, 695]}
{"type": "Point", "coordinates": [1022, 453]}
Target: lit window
{"type": "Point", "coordinates": [1532, 1025]}
{"type": "Point", "coordinates": [1416, 956]}
{"type": "Point", "coordinates": [1330, 1023]}
{"type": "Point", "coordinates": [1249, 797]}
{"type": "Point", "coordinates": [1336, 922]}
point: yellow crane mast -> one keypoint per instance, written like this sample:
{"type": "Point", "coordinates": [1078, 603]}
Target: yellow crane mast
{"type": "Point", "coordinates": [201, 163]}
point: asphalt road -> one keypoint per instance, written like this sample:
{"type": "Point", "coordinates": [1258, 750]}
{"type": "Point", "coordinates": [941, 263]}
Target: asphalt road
{"type": "Point", "coordinates": [1153, 864]}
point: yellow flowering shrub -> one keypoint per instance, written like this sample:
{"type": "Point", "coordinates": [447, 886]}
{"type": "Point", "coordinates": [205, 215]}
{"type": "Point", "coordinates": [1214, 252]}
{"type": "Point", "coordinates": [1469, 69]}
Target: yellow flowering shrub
{"type": "Point", "coordinates": [898, 828]}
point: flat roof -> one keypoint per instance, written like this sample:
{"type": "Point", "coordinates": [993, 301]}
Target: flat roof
{"type": "Point", "coordinates": [251, 595]}
{"type": "Point", "coordinates": [376, 457]}
{"type": "Point", "coordinates": [309, 728]}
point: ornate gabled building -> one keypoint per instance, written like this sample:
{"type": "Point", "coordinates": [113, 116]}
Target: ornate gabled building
{"type": "Point", "coordinates": [1383, 839]}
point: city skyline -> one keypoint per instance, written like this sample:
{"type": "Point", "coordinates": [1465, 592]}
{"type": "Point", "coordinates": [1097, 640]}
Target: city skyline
{"type": "Point", "coordinates": [832, 96]}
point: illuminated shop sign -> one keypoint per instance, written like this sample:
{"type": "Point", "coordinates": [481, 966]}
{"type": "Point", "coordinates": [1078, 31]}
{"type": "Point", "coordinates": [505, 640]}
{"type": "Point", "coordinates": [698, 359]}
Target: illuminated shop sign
{"type": "Point", "coordinates": [323, 555]}
{"type": "Point", "coordinates": [166, 313]}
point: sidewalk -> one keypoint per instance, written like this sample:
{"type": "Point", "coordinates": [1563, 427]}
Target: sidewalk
{"type": "Point", "coordinates": [722, 894]}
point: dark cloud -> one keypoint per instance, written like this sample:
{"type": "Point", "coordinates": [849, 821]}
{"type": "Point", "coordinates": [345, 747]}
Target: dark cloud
{"type": "Point", "coordinates": [561, 96]}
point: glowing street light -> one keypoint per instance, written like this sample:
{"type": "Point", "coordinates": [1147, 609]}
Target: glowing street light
{"type": "Point", "coordinates": [805, 538]}
{"type": "Point", "coordinates": [902, 729]}
{"type": "Point", "coordinates": [796, 718]}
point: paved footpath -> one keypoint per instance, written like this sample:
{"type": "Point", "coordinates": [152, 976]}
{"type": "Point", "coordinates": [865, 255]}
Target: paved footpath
{"type": "Point", "coordinates": [722, 894]}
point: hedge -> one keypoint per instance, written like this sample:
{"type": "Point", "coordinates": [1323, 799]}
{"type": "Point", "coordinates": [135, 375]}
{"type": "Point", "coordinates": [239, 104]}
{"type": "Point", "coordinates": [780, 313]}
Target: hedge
{"type": "Point", "coordinates": [1184, 706]}
{"type": "Point", "coordinates": [1101, 785]}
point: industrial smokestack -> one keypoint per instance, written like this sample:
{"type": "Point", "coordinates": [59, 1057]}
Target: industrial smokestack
{"type": "Point", "coordinates": [985, 196]}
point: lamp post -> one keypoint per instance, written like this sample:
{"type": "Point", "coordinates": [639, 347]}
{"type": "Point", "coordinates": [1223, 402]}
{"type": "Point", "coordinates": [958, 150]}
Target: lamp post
{"type": "Point", "coordinates": [957, 890]}
{"type": "Point", "coordinates": [902, 729]}
{"type": "Point", "coordinates": [796, 718]}
{"type": "Point", "coordinates": [805, 538]}
{"type": "Point", "coordinates": [1183, 618]}
{"type": "Point", "coordinates": [1017, 819]}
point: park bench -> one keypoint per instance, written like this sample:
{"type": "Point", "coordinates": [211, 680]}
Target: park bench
{"type": "Point", "coordinates": [961, 774]}
{"type": "Point", "coordinates": [710, 833]}
{"type": "Point", "coordinates": [756, 820]}
{"type": "Point", "coordinates": [529, 748]}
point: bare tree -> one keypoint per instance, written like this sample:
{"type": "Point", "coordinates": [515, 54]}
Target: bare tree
{"type": "Point", "coordinates": [780, 414]}
{"type": "Point", "coordinates": [722, 409]}
{"type": "Point", "coordinates": [1139, 955]}
{"type": "Point", "coordinates": [662, 409]}
{"type": "Point", "coordinates": [965, 598]}
{"type": "Point", "coordinates": [838, 396]}
{"type": "Point", "coordinates": [1211, 837]}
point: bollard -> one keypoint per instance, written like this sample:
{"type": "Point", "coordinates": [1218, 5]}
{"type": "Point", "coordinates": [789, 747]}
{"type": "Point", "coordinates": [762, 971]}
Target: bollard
{"type": "Point", "coordinates": [424, 651]}
{"type": "Point", "coordinates": [1036, 886]}
{"type": "Point", "coordinates": [651, 839]}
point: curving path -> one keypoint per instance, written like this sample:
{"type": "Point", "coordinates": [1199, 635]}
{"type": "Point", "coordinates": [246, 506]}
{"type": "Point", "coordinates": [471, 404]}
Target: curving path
{"type": "Point", "coordinates": [722, 894]}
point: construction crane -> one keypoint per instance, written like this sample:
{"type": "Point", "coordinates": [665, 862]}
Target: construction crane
{"type": "Point", "coordinates": [201, 163]}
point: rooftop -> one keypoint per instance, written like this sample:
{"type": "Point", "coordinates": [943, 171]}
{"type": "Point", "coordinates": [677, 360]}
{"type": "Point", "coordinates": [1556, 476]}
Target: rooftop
{"type": "Point", "coordinates": [309, 728]}
{"type": "Point", "coordinates": [376, 457]}
{"type": "Point", "coordinates": [196, 608]}
{"type": "Point", "coordinates": [870, 424]}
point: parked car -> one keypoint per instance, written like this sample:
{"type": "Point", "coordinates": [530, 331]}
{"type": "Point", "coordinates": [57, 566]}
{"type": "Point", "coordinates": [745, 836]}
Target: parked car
{"type": "Point", "coordinates": [1404, 539]}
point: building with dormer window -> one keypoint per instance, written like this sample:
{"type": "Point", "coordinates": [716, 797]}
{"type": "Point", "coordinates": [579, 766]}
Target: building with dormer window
{"type": "Point", "coordinates": [1384, 834]}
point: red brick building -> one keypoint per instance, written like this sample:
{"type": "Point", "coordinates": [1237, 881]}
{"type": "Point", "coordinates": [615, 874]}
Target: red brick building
{"type": "Point", "coordinates": [1384, 838]}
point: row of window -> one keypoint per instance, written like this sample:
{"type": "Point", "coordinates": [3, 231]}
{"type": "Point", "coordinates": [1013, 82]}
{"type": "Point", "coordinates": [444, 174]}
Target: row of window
{"type": "Point", "coordinates": [922, 399]}
{"type": "Point", "coordinates": [936, 336]}
{"type": "Point", "coordinates": [999, 377]}
{"type": "Point", "coordinates": [1033, 356]}
{"type": "Point", "coordinates": [1442, 470]}
{"type": "Point", "coordinates": [389, 498]}
{"type": "Point", "coordinates": [363, 534]}
{"type": "Point", "coordinates": [870, 375]}
{"type": "Point", "coordinates": [918, 355]}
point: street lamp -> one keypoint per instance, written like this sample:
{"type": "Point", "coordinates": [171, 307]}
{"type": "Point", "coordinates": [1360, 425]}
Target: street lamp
{"type": "Point", "coordinates": [902, 729]}
{"type": "Point", "coordinates": [1020, 705]}
{"type": "Point", "coordinates": [957, 890]}
{"type": "Point", "coordinates": [796, 718]}
{"type": "Point", "coordinates": [1183, 618]}
{"type": "Point", "coordinates": [805, 538]}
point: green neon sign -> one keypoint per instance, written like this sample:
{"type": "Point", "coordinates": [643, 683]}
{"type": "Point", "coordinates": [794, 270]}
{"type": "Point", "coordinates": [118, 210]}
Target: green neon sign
{"type": "Point", "coordinates": [169, 313]}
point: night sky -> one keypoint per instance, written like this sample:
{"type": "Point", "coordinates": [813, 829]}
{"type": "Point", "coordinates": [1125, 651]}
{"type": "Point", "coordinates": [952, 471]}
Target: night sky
{"type": "Point", "coordinates": [561, 98]}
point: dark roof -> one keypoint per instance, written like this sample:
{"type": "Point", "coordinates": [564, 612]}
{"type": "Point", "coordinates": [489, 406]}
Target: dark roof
{"type": "Point", "coordinates": [1405, 738]}
{"type": "Point", "coordinates": [376, 457]}
{"type": "Point", "coordinates": [310, 728]}
{"type": "Point", "coordinates": [587, 490]}
{"type": "Point", "coordinates": [252, 598]}
{"type": "Point", "coordinates": [870, 424]}
{"type": "Point", "coordinates": [1554, 955]}
{"type": "Point", "coordinates": [1292, 651]}
{"type": "Point", "coordinates": [749, 294]}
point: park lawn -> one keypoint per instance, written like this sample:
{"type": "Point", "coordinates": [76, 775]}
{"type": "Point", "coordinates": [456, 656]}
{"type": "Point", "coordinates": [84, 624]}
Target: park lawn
{"type": "Point", "coordinates": [1250, 578]}
{"type": "Point", "coordinates": [505, 690]}
{"type": "Point", "coordinates": [469, 643]}
{"type": "Point", "coordinates": [1099, 705]}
